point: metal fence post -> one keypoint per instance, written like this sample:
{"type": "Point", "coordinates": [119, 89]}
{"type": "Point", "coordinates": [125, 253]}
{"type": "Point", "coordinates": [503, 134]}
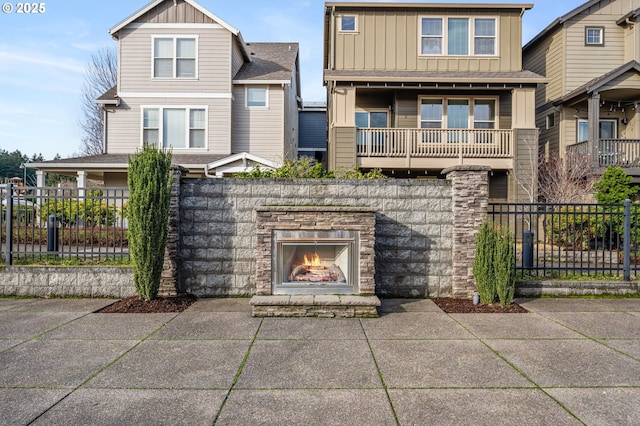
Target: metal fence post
{"type": "Point", "coordinates": [8, 220]}
{"type": "Point", "coordinates": [627, 240]}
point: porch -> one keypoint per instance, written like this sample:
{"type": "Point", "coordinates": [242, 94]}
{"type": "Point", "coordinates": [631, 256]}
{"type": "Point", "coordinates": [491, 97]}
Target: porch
{"type": "Point", "coordinates": [623, 153]}
{"type": "Point", "coordinates": [433, 148]}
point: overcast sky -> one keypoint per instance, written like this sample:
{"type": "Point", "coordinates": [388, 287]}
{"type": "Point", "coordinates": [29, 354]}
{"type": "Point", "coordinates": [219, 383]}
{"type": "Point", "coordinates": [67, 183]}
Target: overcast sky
{"type": "Point", "coordinates": [43, 56]}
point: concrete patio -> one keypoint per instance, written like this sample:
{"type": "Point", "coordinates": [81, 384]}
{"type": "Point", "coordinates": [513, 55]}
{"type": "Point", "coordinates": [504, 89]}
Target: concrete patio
{"type": "Point", "coordinates": [569, 361]}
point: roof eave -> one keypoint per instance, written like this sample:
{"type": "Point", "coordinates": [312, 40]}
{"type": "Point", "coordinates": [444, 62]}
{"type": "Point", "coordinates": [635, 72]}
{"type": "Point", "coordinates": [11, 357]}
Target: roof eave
{"type": "Point", "coordinates": [423, 79]}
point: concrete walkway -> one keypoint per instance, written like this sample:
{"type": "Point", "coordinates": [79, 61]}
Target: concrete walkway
{"type": "Point", "coordinates": [570, 361]}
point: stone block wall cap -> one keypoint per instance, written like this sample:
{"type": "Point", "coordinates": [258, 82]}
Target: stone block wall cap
{"type": "Point", "coordinates": [466, 168]}
{"type": "Point", "coordinates": [177, 167]}
{"type": "Point", "coordinates": [324, 209]}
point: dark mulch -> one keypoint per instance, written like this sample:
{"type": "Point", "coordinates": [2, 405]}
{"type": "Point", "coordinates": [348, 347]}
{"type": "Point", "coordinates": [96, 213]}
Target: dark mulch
{"type": "Point", "coordinates": [156, 306]}
{"type": "Point", "coordinates": [466, 306]}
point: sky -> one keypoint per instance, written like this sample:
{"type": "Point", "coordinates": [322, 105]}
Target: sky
{"type": "Point", "coordinates": [43, 56]}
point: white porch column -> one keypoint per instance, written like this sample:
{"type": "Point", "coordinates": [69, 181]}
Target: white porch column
{"type": "Point", "coordinates": [41, 179]}
{"type": "Point", "coordinates": [81, 182]}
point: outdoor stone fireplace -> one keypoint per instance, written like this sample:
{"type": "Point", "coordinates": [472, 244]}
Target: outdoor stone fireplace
{"type": "Point", "coordinates": [315, 250]}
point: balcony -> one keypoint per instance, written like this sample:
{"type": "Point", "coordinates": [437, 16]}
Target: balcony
{"type": "Point", "coordinates": [434, 148]}
{"type": "Point", "coordinates": [623, 153]}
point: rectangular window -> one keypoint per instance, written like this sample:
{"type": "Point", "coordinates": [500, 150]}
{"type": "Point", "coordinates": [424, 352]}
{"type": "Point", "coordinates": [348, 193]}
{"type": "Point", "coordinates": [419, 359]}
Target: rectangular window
{"type": "Point", "coordinates": [432, 36]}
{"type": "Point", "coordinates": [174, 57]}
{"type": "Point", "coordinates": [484, 41]}
{"type": "Point", "coordinates": [594, 36]}
{"type": "Point", "coordinates": [484, 114]}
{"type": "Point", "coordinates": [550, 121]}
{"type": "Point", "coordinates": [371, 120]}
{"type": "Point", "coordinates": [431, 113]}
{"type": "Point", "coordinates": [348, 23]}
{"type": "Point", "coordinates": [178, 128]}
{"type": "Point", "coordinates": [257, 97]}
{"type": "Point", "coordinates": [458, 36]}
{"type": "Point", "coordinates": [608, 129]}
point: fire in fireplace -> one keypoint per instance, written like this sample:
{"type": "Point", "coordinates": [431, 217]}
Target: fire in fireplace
{"type": "Point", "coordinates": [314, 262]}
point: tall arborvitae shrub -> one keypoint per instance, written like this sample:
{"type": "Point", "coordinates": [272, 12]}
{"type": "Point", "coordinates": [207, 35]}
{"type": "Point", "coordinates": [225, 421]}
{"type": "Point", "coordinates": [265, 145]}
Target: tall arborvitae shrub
{"type": "Point", "coordinates": [148, 213]}
{"type": "Point", "coordinates": [483, 270]}
{"type": "Point", "coordinates": [504, 266]}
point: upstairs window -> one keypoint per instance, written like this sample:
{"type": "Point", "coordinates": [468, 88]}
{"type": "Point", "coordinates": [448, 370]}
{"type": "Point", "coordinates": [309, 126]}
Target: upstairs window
{"type": "Point", "coordinates": [174, 57]}
{"type": "Point", "coordinates": [458, 36]}
{"type": "Point", "coordinates": [257, 97]}
{"type": "Point", "coordinates": [594, 36]}
{"type": "Point", "coordinates": [348, 23]}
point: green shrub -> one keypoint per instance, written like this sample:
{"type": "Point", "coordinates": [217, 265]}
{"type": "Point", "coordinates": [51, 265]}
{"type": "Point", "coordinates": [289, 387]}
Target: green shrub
{"type": "Point", "coordinates": [149, 181]}
{"type": "Point", "coordinates": [483, 269]}
{"type": "Point", "coordinates": [306, 168]}
{"type": "Point", "coordinates": [614, 187]}
{"type": "Point", "coordinates": [575, 228]}
{"type": "Point", "coordinates": [504, 266]}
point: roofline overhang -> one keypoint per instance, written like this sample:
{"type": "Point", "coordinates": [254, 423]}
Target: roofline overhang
{"type": "Point", "coordinates": [437, 80]}
{"type": "Point", "coordinates": [261, 82]}
{"type": "Point", "coordinates": [346, 5]}
{"type": "Point", "coordinates": [114, 102]}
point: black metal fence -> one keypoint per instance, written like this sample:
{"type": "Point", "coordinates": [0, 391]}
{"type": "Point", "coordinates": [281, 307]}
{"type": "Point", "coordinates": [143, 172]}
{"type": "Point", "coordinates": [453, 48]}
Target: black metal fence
{"type": "Point", "coordinates": [73, 225]}
{"type": "Point", "coordinates": [568, 240]}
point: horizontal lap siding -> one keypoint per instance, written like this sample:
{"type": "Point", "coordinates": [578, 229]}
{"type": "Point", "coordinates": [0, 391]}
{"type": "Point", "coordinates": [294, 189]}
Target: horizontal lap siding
{"type": "Point", "coordinates": [214, 62]}
{"type": "Point", "coordinates": [390, 40]}
{"type": "Point", "coordinates": [125, 123]}
{"type": "Point", "coordinates": [259, 131]}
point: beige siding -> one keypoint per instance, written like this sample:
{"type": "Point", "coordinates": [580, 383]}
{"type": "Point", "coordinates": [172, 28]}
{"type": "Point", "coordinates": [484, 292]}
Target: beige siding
{"type": "Point", "coordinates": [344, 148]}
{"type": "Point", "coordinates": [407, 110]}
{"type": "Point", "coordinates": [237, 60]}
{"type": "Point", "coordinates": [136, 61]}
{"type": "Point", "coordinates": [259, 131]}
{"type": "Point", "coordinates": [125, 124]}
{"type": "Point", "coordinates": [546, 58]}
{"type": "Point", "coordinates": [581, 66]}
{"type": "Point", "coordinates": [389, 40]}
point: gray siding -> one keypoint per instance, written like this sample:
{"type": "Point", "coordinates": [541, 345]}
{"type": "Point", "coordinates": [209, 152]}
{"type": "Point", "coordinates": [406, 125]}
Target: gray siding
{"type": "Point", "coordinates": [259, 131]}
{"type": "Point", "coordinates": [312, 131]}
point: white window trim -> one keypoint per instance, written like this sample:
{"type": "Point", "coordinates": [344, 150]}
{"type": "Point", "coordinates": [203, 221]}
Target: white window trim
{"type": "Point", "coordinates": [355, 26]}
{"type": "Point", "coordinates": [584, 120]}
{"type": "Point", "coordinates": [600, 29]}
{"type": "Point", "coordinates": [175, 62]}
{"type": "Point", "coordinates": [445, 100]}
{"type": "Point", "coordinates": [161, 109]}
{"type": "Point", "coordinates": [445, 39]}
{"type": "Point", "coordinates": [246, 98]}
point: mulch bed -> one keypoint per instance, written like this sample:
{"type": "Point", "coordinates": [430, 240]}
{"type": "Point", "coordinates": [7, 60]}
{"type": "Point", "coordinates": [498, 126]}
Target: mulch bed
{"type": "Point", "coordinates": [466, 306]}
{"type": "Point", "coordinates": [159, 305]}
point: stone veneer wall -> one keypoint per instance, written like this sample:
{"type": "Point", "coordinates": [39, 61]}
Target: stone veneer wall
{"type": "Point", "coordinates": [414, 230]}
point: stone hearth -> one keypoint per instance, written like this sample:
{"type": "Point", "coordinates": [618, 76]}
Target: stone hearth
{"type": "Point", "coordinates": [342, 240]}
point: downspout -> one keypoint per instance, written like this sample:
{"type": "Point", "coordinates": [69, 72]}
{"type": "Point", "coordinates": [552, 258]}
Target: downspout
{"type": "Point", "coordinates": [104, 129]}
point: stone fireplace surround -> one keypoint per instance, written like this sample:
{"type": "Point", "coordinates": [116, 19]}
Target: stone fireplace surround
{"type": "Point", "coordinates": [315, 218]}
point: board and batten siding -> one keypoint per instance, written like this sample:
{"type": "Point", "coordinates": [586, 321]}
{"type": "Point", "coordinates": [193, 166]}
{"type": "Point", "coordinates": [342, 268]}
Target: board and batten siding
{"type": "Point", "coordinates": [214, 61]}
{"type": "Point", "coordinates": [259, 131]}
{"type": "Point", "coordinates": [389, 40]}
{"type": "Point", "coordinates": [171, 11]}
{"type": "Point", "coordinates": [581, 66]}
{"type": "Point", "coordinates": [125, 124]}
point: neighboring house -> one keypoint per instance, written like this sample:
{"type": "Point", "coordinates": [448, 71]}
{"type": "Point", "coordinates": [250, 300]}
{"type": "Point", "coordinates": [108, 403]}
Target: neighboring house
{"type": "Point", "coordinates": [589, 109]}
{"type": "Point", "coordinates": [188, 81]}
{"type": "Point", "coordinates": [312, 132]}
{"type": "Point", "coordinates": [415, 88]}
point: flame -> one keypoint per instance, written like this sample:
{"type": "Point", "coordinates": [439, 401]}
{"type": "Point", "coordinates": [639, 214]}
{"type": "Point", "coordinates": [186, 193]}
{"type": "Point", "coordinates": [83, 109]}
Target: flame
{"type": "Point", "coordinates": [314, 261]}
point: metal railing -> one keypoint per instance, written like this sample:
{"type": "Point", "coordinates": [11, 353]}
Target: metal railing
{"type": "Point", "coordinates": [568, 240]}
{"type": "Point", "coordinates": [44, 224]}
{"type": "Point", "coordinates": [434, 143]}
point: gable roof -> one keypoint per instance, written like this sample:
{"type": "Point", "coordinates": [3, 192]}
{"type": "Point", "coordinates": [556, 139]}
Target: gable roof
{"type": "Point", "coordinates": [561, 20]}
{"type": "Point", "coordinates": [155, 3]}
{"type": "Point", "coordinates": [595, 84]}
{"type": "Point", "coordinates": [246, 161]}
{"type": "Point", "coordinates": [271, 62]}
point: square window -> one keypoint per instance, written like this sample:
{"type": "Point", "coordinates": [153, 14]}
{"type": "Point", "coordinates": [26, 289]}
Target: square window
{"type": "Point", "coordinates": [348, 23]}
{"type": "Point", "coordinates": [594, 36]}
{"type": "Point", "coordinates": [257, 97]}
{"type": "Point", "coordinates": [174, 57]}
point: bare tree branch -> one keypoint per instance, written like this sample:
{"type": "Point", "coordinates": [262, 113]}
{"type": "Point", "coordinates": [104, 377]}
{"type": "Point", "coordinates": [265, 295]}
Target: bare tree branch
{"type": "Point", "coordinates": [566, 181]}
{"type": "Point", "coordinates": [100, 76]}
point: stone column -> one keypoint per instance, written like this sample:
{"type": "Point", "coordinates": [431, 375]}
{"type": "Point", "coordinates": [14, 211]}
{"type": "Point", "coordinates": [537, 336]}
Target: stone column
{"type": "Point", "coordinates": [470, 185]}
{"type": "Point", "coordinates": [170, 279]}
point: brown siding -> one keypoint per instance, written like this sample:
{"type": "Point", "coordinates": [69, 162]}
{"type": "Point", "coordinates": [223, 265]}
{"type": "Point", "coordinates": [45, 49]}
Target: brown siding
{"type": "Point", "coordinates": [389, 40]}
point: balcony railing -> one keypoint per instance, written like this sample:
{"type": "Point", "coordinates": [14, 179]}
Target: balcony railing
{"type": "Point", "coordinates": [624, 153]}
{"type": "Point", "coordinates": [434, 143]}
